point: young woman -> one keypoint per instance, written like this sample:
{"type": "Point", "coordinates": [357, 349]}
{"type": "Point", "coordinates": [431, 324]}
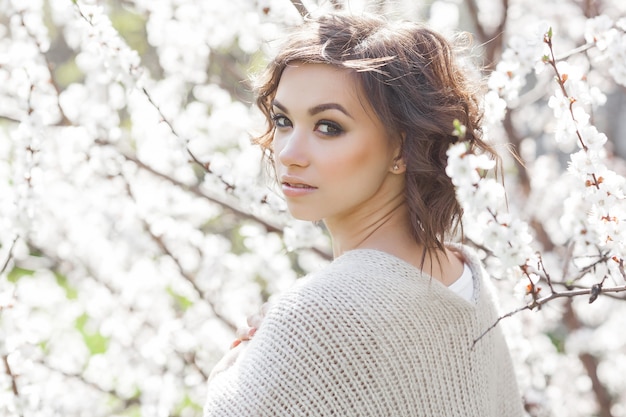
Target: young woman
{"type": "Point", "coordinates": [360, 114]}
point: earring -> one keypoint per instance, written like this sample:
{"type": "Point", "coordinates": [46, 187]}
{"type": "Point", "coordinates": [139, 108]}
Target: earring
{"type": "Point", "coordinates": [396, 167]}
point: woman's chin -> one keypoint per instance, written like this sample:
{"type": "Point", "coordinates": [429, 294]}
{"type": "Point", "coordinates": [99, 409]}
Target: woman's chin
{"type": "Point", "coordinates": [304, 216]}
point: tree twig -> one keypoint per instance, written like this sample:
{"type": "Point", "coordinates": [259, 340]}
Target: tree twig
{"type": "Point", "coordinates": [581, 48]}
{"type": "Point", "coordinates": [125, 403]}
{"type": "Point", "coordinates": [64, 120]}
{"type": "Point", "coordinates": [561, 81]}
{"type": "Point", "coordinates": [498, 320]}
{"type": "Point", "coordinates": [12, 376]}
{"type": "Point", "coordinates": [269, 226]}
{"type": "Point", "coordinates": [204, 165]}
{"type": "Point", "coordinates": [538, 302]}
{"type": "Point", "coordinates": [9, 118]}
{"type": "Point", "coordinates": [189, 359]}
{"type": "Point", "coordinates": [304, 12]}
{"type": "Point", "coordinates": [5, 264]}
{"type": "Point", "coordinates": [166, 250]}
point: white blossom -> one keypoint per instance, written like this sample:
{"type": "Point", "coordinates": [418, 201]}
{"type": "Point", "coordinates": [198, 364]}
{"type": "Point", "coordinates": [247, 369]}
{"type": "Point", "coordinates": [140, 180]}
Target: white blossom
{"type": "Point", "coordinates": [129, 263]}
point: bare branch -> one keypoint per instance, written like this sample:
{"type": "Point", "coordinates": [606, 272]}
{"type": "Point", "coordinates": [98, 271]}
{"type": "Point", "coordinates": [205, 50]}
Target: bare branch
{"type": "Point", "coordinates": [589, 268]}
{"type": "Point", "coordinates": [125, 403]}
{"type": "Point", "coordinates": [205, 166]}
{"type": "Point", "coordinates": [575, 51]}
{"type": "Point", "coordinates": [9, 255]}
{"type": "Point", "coordinates": [187, 357]}
{"type": "Point", "coordinates": [190, 358]}
{"type": "Point", "coordinates": [621, 269]}
{"type": "Point", "coordinates": [269, 227]}
{"type": "Point", "coordinates": [9, 119]}
{"type": "Point", "coordinates": [498, 320]}
{"type": "Point", "coordinates": [538, 302]}
{"type": "Point", "coordinates": [162, 245]}
{"type": "Point", "coordinates": [561, 81]}
{"type": "Point", "coordinates": [165, 249]}
{"type": "Point", "coordinates": [304, 12]}
{"type": "Point", "coordinates": [573, 293]}
{"type": "Point", "coordinates": [12, 376]}
{"type": "Point", "coordinates": [614, 296]}
{"type": "Point", "coordinates": [64, 120]}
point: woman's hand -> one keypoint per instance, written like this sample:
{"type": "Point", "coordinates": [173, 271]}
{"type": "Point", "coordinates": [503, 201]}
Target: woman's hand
{"type": "Point", "coordinates": [244, 335]}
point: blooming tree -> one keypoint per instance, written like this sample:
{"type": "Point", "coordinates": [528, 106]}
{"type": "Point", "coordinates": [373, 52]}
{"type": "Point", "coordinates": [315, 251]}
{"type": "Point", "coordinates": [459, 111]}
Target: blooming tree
{"type": "Point", "coordinates": [138, 228]}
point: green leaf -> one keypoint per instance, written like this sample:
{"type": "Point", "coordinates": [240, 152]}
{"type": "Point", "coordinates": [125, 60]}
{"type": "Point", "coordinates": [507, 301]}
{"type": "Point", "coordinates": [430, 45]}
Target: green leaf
{"type": "Point", "coordinates": [557, 337]}
{"type": "Point", "coordinates": [131, 28]}
{"type": "Point", "coordinates": [183, 302]}
{"type": "Point", "coordinates": [67, 73]}
{"type": "Point", "coordinates": [132, 411]}
{"type": "Point", "coordinates": [95, 341]}
{"type": "Point", "coordinates": [187, 402]}
{"type": "Point", "coordinates": [17, 273]}
{"type": "Point", "coordinates": [70, 292]}
{"type": "Point", "coordinates": [459, 129]}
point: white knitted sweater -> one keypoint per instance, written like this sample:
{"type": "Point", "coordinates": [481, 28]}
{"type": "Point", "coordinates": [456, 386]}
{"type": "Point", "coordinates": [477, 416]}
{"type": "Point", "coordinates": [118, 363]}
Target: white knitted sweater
{"type": "Point", "coordinates": [372, 336]}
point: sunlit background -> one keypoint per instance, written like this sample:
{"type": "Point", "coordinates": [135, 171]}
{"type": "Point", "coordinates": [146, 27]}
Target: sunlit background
{"type": "Point", "coordinates": [139, 227]}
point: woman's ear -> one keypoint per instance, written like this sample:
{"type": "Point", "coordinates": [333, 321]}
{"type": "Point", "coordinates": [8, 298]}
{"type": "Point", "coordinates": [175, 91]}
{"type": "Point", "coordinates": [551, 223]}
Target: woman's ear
{"type": "Point", "coordinates": [399, 165]}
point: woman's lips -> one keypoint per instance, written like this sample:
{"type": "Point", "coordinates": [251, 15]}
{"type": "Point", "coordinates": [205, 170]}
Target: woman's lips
{"type": "Point", "coordinates": [296, 189]}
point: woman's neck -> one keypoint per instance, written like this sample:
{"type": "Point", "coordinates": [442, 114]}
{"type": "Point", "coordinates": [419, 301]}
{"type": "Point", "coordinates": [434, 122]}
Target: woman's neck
{"type": "Point", "coordinates": [388, 229]}
{"type": "Point", "coordinates": [381, 228]}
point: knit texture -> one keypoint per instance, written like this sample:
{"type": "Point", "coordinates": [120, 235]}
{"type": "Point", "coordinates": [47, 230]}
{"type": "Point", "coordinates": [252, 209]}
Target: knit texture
{"type": "Point", "coordinates": [370, 335]}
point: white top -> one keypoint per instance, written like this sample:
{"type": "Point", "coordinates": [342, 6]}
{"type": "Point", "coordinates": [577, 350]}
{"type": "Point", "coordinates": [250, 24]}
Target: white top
{"type": "Point", "coordinates": [464, 286]}
{"type": "Point", "coordinates": [371, 335]}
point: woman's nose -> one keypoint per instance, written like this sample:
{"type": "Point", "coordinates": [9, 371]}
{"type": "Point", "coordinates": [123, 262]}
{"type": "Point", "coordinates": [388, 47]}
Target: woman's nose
{"type": "Point", "coordinates": [291, 148]}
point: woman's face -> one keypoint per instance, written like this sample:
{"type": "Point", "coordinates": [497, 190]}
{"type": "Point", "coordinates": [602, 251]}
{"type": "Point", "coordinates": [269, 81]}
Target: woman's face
{"type": "Point", "coordinates": [332, 154]}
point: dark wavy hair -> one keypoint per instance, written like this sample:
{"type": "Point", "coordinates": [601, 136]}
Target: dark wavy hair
{"type": "Point", "coordinates": [413, 80]}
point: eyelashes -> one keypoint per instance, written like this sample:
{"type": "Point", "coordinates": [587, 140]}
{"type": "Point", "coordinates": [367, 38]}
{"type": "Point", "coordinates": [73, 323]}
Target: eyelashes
{"type": "Point", "coordinates": [324, 126]}
{"type": "Point", "coordinates": [280, 121]}
{"type": "Point", "coordinates": [328, 128]}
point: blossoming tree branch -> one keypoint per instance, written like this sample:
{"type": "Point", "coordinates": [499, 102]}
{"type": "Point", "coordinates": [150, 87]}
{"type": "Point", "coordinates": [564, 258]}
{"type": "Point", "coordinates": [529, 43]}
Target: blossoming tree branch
{"type": "Point", "coordinates": [138, 229]}
{"type": "Point", "coordinates": [598, 235]}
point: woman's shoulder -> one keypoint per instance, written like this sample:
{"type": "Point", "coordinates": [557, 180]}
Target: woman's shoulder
{"type": "Point", "coordinates": [356, 270]}
{"type": "Point", "coordinates": [365, 278]}
{"type": "Point", "coordinates": [353, 282]}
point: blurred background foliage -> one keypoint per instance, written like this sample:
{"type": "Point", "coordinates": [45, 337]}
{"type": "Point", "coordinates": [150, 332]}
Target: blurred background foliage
{"type": "Point", "coordinates": [145, 233]}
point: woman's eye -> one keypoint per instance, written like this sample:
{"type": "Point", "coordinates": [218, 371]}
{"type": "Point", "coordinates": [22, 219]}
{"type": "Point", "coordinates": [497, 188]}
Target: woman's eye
{"type": "Point", "coordinates": [329, 128]}
{"type": "Point", "coordinates": [280, 121]}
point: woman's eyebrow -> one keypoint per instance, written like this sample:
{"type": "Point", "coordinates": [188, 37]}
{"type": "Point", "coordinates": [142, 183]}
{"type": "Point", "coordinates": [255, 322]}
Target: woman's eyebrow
{"type": "Point", "coordinates": [280, 107]}
{"type": "Point", "coordinates": [316, 109]}
{"type": "Point", "coordinates": [328, 106]}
